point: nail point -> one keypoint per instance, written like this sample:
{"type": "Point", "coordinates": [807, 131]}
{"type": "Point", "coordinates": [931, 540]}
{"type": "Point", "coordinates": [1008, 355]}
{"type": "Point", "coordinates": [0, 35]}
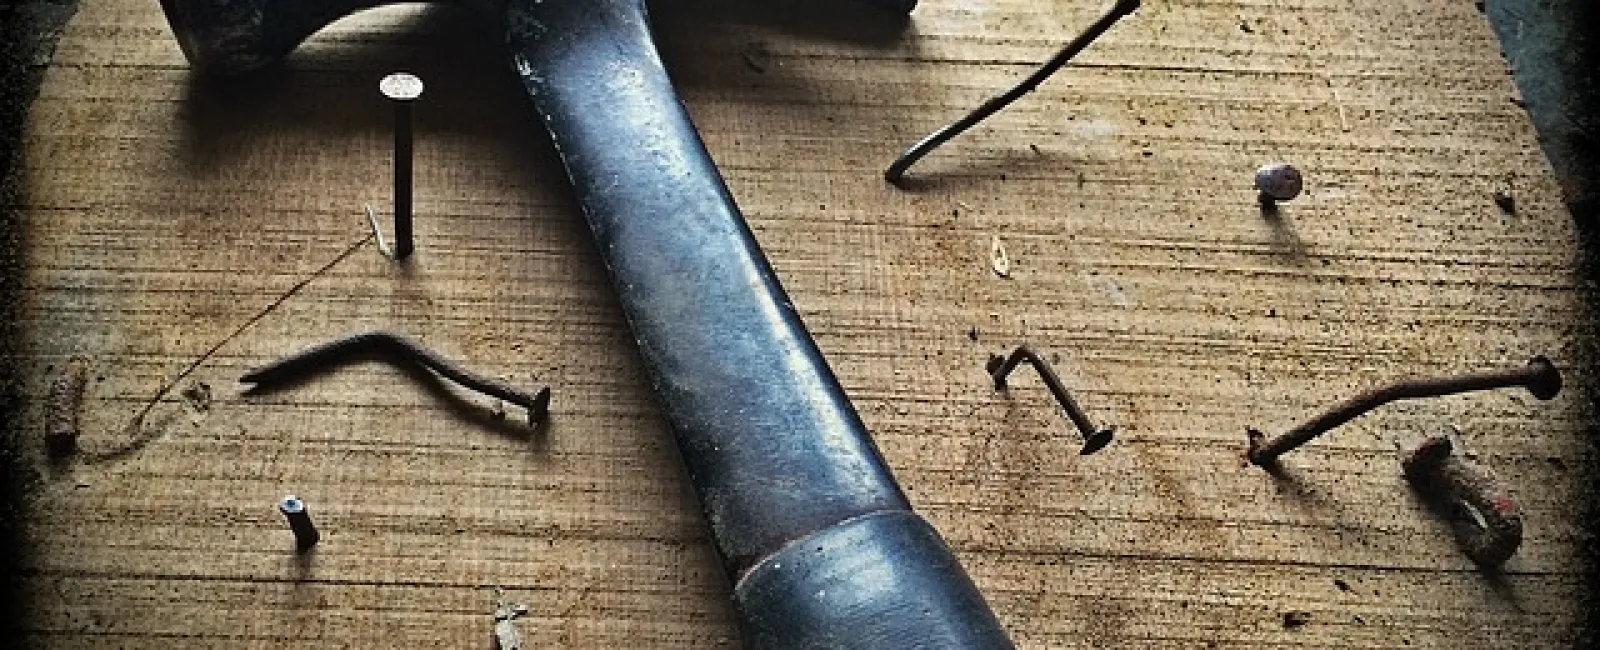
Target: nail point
{"type": "Point", "coordinates": [541, 407]}
{"type": "Point", "coordinates": [996, 362]}
{"type": "Point", "coordinates": [1253, 453]}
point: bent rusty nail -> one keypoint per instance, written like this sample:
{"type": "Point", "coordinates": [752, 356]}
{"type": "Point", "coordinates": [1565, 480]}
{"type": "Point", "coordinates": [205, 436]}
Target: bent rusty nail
{"type": "Point", "coordinates": [375, 342]}
{"type": "Point", "coordinates": [1539, 376]}
{"type": "Point", "coordinates": [1094, 438]}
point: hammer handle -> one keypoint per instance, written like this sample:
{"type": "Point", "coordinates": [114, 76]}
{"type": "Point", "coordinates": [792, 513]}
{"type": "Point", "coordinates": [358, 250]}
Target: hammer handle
{"type": "Point", "coordinates": [801, 504]}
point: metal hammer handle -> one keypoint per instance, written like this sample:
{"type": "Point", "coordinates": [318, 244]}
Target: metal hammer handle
{"type": "Point", "coordinates": [822, 546]}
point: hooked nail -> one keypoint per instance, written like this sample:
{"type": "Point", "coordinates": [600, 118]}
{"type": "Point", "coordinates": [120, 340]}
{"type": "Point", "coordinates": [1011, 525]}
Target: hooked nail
{"type": "Point", "coordinates": [1094, 438]}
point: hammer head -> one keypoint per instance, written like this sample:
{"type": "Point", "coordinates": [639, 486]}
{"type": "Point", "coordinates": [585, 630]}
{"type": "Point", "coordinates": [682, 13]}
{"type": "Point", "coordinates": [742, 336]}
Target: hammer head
{"type": "Point", "coordinates": [237, 36]}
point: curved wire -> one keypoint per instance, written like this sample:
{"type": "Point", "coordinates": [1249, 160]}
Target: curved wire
{"type": "Point", "coordinates": [897, 170]}
{"type": "Point", "coordinates": [316, 358]}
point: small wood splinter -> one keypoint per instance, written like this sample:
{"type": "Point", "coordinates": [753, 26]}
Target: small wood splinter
{"type": "Point", "coordinates": [389, 345]}
{"type": "Point", "coordinates": [65, 401]}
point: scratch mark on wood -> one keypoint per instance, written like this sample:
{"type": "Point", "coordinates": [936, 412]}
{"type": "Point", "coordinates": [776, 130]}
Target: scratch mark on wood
{"type": "Point", "coordinates": [135, 429]}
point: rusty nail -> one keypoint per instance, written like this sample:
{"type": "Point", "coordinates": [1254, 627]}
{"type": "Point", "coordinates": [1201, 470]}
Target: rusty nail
{"type": "Point", "coordinates": [305, 534]}
{"type": "Point", "coordinates": [381, 343]}
{"type": "Point", "coordinates": [1539, 376]}
{"type": "Point", "coordinates": [1486, 520]}
{"type": "Point", "coordinates": [66, 400]}
{"type": "Point", "coordinates": [1094, 439]}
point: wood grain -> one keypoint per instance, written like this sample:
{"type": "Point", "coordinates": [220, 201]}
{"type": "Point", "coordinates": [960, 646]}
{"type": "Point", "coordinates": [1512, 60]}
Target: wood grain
{"type": "Point", "coordinates": [165, 212]}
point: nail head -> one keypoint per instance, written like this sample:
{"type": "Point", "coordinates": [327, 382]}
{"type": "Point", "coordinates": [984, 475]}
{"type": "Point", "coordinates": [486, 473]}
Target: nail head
{"type": "Point", "coordinates": [305, 532]}
{"type": "Point", "coordinates": [1098, 441]}
{"type": "Point", "coordinates": [401, 86]}
{"type": "Point", "coordinates": [1427, 457]}
{"type": "Point", "coordinates": [1279, 181]}
{"type": "Point", "coordinates": [291, 505]}
{"type": "Point", "coordinates": [1547, 384]}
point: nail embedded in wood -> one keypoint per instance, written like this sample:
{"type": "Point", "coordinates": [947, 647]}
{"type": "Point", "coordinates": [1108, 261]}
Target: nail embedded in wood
{"type": "Point", "coordinates": [896, 172]}
{"type": "Point", "coordinates": [1539, 376]}
{"type": "Point", "coordinates": [402, 89]}
{"type": "Point", "coordinates": [1505, 200]}
{"type": "Point", "coordinates": [1278, 182]}
{"type": "Point", "coordinates": [390, 345]}
{"type": "Point", "coordinates": [1486, 521]}
{"type": "Point", "coordinates": [1094, 438]}
{"type": "Point", "coordinates": [305, 534]}
{"type": "Point", "coordinates": [63, 407]}
{"type": "Point", "coordinates": [1296, 619]}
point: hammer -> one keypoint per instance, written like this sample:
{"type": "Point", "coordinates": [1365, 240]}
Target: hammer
{"type": "Point", "coordinates": [820, 544]}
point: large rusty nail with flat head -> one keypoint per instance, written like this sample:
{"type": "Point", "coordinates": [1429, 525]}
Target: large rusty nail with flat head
{"type": "Point", "coordinates": [1539, 376]}
{"type": "Point", "coordinates": [1485, 518]}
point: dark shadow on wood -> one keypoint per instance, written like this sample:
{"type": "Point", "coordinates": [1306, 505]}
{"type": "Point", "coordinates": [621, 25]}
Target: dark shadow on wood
{"type": "Point", "coordinates": [1446, 516]}
{"type": "Point", "coordinates": [988, 174]}
{"type": "Point", "coordinates": [28, 34]}
{"type": "Point", "coordinates": [304, 562]}
{"type": "Point", "coordinates": [852, 21]}
{"type": "Point", "coordinates": [1293, 484]}
{"type": "Point", "coordinates": [1585, 352]}
{"type": "Point", "coordinates": [1286, 241]}
{"type": "Point", "coordinates": [331, 95]}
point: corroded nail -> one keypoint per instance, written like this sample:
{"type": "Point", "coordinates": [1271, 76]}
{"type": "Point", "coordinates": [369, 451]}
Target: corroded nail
{"type": "Point", "coordinates": [63, 406]}
{"type": "Point", "coordinates": [1486, 521]}
{"type": "Point", "coordinates": [1094, 438]}
{"type": "Point", "coordinates": [896, 172]}
{"type": "Point", "coordinates": [379, 342]}
{"type": "Point", "coordinates": [1278, 182]}
{"type": "Point", "coordinates": [1539, 376]}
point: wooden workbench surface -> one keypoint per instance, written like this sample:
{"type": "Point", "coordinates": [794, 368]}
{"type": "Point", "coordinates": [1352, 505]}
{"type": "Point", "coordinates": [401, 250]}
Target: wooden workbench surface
{"type": "Point", "coordinates": [180, 233]}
